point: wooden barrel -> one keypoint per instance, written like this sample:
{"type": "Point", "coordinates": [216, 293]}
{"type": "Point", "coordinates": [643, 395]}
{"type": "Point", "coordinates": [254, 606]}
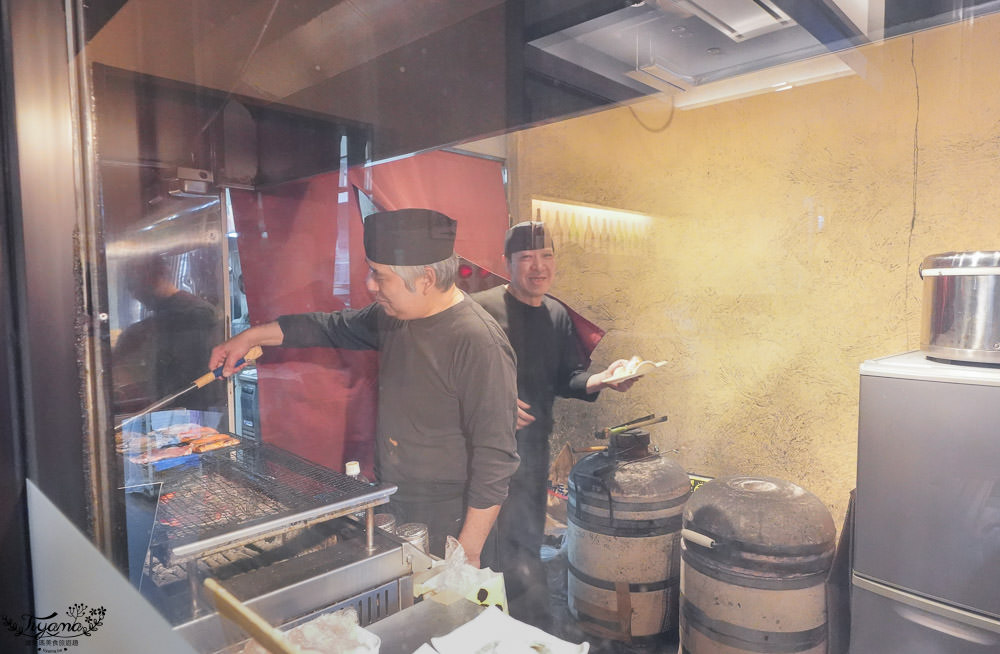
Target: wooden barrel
{"type": "Point", "coordinates": [622, 541]}
{"type": "Point", "coordinates": [755, 554]}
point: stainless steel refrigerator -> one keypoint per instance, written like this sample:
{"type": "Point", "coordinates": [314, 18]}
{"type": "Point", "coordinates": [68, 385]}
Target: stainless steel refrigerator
{"type": "Point", "coordinates": [926, 564]}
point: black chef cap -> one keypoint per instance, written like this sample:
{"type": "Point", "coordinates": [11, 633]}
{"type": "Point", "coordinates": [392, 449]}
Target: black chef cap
{"type": "Point", "coordinates": [529, 235]}
{"type": "Point", "coordinates": [409, 237]}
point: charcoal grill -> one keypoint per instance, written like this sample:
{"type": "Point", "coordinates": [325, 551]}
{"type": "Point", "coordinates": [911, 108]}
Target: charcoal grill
{"type": "Point", "coordinates": [285, 535]}
{"type": "Point", "coordinates": [251, 493]}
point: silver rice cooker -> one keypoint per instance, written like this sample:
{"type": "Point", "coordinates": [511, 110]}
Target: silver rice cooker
{"type": "Point", "coordinates": [961, 306]}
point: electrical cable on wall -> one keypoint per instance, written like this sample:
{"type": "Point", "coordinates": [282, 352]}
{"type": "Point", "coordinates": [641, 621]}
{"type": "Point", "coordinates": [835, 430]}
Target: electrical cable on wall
{"type": "Point", "coordinates": [655, 130]}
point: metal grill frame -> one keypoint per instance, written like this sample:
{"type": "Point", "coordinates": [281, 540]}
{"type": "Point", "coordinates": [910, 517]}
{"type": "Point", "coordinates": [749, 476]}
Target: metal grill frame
{"type": "Point", "coordinates": [305, 492]}
{"type": "Point", "coordinates": [348, 576]}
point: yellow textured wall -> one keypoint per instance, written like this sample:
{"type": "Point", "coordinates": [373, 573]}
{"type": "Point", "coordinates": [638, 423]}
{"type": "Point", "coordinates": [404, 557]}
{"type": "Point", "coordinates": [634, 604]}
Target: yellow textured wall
{"type": "Point", "coordinates": [763, 312]}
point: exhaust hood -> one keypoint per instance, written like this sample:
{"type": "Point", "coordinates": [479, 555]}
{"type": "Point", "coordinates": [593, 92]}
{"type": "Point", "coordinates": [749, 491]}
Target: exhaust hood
{"type": "Point", "coordinates": [423, 73]}
{"type": "Point", "coordinates": [705, 51]}
{"type": "Point", "coordinates": [678, 46]}
{"type": "Point", "coordinates": [739, 20]}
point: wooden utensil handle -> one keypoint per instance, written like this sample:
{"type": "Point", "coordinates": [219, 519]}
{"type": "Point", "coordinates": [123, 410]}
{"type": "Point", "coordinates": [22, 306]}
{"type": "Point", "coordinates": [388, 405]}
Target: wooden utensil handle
{"type": "Point", "coordinates": [252, 354]}
{"type": "Point", "coordinates": [270, 638]}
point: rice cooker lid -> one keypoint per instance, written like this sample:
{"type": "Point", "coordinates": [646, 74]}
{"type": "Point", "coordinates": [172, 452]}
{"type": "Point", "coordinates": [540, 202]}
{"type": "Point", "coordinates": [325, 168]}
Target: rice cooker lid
{"type": "Point", "coordinates": [961, 263]}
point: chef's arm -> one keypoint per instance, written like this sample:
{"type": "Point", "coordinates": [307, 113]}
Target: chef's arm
{"type": "Point", "coordinates": [226, 354]}
{"type": "Point", "coordinates": [598, 380]}
{"type": "Point", "coordinates": [475, 529]}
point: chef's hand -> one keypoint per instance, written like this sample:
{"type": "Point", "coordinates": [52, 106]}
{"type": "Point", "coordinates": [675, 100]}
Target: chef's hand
{"type": "Point", "coordinates": [475, 530]}
{"type": "Point", "coordinates": [228, 353]}
{"type": "Point", "coordinates": [523, 417]}
{"type": "Point", "coordinates": [474, 561]}
{"type": "Point", "coordinates": [599, 380]}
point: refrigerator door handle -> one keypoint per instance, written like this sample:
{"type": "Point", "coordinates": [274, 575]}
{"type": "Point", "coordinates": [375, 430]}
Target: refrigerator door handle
{"type": "Point", "coordinates": [936, 616]}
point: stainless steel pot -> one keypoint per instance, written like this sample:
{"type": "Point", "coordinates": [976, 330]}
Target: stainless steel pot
{"type": "Point", "coordinates": [961, 306]}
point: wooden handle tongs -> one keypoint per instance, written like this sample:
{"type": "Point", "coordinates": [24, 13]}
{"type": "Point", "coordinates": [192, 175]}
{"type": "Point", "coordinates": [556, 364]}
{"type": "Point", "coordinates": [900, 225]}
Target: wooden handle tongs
{"type": "Point", "coordinates": [206, 379]}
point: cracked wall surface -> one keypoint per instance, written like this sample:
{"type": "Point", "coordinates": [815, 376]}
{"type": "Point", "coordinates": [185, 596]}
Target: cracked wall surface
{"type": "Point", "coordinates": [786, 234]}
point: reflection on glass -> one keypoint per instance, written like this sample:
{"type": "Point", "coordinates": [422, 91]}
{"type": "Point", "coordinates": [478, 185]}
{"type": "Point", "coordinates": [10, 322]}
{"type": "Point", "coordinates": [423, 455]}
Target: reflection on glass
{"type": "Point", "coordinates": [167, 348]}
{"type": "Point", "coordinates": [165, 293]}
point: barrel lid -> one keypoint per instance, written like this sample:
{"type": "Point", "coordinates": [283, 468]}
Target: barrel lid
{"type": "Point", "coordinates": [654, 475]}
{"type": "Point", "coordinates": [762, 513]}
{"type": "Point", "coordinates": [961, 263]}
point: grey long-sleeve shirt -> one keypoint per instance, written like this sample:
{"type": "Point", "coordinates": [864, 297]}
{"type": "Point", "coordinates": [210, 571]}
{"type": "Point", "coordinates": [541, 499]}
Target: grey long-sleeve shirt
{"type": "Point", "coordinates": [447, 403]}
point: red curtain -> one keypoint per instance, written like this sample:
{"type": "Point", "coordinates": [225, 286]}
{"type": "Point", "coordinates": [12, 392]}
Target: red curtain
{"type": "Point", "coordinates": [467, 189]}
{"type": "Point", "coordinates": [478, 202]}
{"type": "Point", "coordinates": [301, 249]}
{"type": "Point", "coordinates": [318, 402]}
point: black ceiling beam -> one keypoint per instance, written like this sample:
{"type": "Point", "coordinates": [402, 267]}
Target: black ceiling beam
{"type": "Point", "coordinates": [545, 17]}
{"type": "Point", "coordinates": [565, 73]}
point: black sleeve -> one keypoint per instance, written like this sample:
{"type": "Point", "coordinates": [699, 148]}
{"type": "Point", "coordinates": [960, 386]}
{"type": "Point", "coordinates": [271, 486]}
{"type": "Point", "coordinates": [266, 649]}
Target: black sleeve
{"type": "Point", "coordinates": [571, 380]}
{"type": "Point", "coordinates": [489, 413]}
{"type": "Point", "coordinates": [348, 329]}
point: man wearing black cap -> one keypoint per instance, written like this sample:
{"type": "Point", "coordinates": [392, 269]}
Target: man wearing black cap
{"type": "Point", "coordinates": [447, 378]}
{"type": "Point", "coordinates": [549, 363]}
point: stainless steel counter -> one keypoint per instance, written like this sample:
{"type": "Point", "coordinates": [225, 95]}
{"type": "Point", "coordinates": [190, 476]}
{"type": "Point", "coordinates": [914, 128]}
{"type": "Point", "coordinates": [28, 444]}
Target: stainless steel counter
{"type": "Point", "coordinates": [376, 584]}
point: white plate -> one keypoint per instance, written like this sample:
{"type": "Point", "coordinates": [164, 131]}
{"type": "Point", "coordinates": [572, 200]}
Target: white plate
{"type": "Point", "coordinates": [615, 379]}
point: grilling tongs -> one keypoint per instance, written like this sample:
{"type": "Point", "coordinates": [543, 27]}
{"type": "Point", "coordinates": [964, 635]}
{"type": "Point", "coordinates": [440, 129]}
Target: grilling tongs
{"type": "Point", "coordinates": [204, 380]}
{"type": "Point", "coordinates": [644, 421]}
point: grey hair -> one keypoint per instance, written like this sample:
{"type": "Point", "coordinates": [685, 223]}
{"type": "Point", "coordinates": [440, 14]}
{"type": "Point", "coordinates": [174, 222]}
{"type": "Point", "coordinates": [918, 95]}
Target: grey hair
{"type": "Point", "coordinates": [445, 273]}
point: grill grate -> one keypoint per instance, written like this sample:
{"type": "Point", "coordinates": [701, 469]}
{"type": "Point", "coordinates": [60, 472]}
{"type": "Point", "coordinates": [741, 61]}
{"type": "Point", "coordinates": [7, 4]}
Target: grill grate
{"type": "Point", "coordinates": [290, 479]}
{"type": "Point", "coordinates": [249, 493]}
{"type": "Point", "coordinates": [209, 502]}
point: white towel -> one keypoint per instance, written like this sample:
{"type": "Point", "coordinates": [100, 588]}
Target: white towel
{"type": "Point", "coordinates": [495, 632]}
